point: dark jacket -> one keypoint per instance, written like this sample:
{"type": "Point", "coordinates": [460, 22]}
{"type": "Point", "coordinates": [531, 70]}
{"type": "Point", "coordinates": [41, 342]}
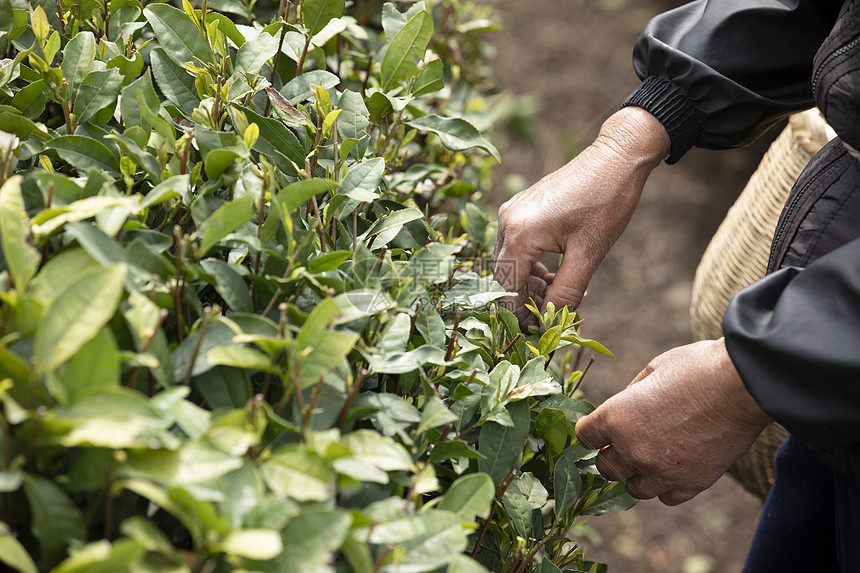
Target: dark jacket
{"type": "Point", "coordinates": [717, 73]}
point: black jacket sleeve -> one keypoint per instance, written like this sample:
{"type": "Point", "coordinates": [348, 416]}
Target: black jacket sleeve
{"type": "Point", "coordinates": [717, 73]}
{"type": "Point", "coordinates": [794, 337]}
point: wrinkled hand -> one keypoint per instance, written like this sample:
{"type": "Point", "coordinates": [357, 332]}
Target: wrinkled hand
{"type": "Point", "coordinates": [677, 427]}
{"type": "Point", "coordinates": [579, 210]}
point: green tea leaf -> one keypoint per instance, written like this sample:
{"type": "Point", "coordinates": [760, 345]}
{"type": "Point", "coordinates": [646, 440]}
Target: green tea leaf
{"type": "Point", "coordinates": [592, 344]}
{"type": "Point", "coordinates": [311, 538]}
{"type": "Point", "coordinates": [300, 474]}
{"type": "Point", "coordinates": [435, 415]}
{"type": "Point", "coordinates": [363, 180]}
{"type": "Point", "coordinates": [470, 496]}
{"type": "Point", "coordinates": [193, 463]}
{"type": "Point", "coordinates": [464, 564]}
{"type": "Point", "coordinates": [56, 521]}
{"type": "Point", "coordinates": [299, 89]}
{"type": "Point", "coordinates": [427, 540]}
{"type": "Point", "coordinates": [98, 90]}
{"type": "Point", "coordinates": [174, 81]}
{"type": "Point", "coordinates": [78, 57]}
{"type": "Point", "coordinates": [254, 54]}
{"type": "Point", "coordinates": [317, 13]}
{"type": "Point", "coordinates": [226, 219]}
{"type": "Point", "coordinates": [456, 133]}
{"type": "Point", "coordinates": [95, 366]}
{"type": "Point", "coordinates": [328, 261]}
{"type": "Point", "coordinates": [276, 142]}
{"type": "Point", "coordinates": [352, 123]}
{"type": "Point", "coordinates": [566, 479]}
{"type": "Point", "coordinates": [298, 193]}
{"type": "Point", "coordinates": [78, 314]}
{"type": "Point", "coordinates": [378, 450]}
{"type": "Point", "coordinates": [430, 325]}
{"type": "Point", "coordinates": [241, 357]}
{"type": "Point", "coordinates": [320, 348]}
{"type": "Point", "coordinates": [260, 544]}
{"type": "Point", "coordinates": [182, 41]}
{"type": "Point", "coordinates": [13, 554]}
{"type": "Point", "coordinates": [41, 26]}
{"type": "Point", "coordinates": [520, 513]}
{"type": "Point", "coordinates": [531, 489]}
{"type": "Point", "coordinates": [22, 259]}
{"type": "Point", "coordinates": [502, 446]}
{"type": "Point", "coordinates": [229, 284]}
{"type": "Point", "coordinates": [614, 498]}
{"type": "Point", "coordinates": [553, 427]}
{"type": "Point", "coordinates": [84, 153]}
{"type": "Point", "coordinates": [21, 126]}
{"type": "Point", "coordinates": [429, 79]}
{"type": "Point", "coordinates": [398, 62]}
{"type": "Point", "coordinates": [31, 100]}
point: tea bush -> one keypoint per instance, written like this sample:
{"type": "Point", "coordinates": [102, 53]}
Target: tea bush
{"type": "Point", "coordinates": [246, 321]}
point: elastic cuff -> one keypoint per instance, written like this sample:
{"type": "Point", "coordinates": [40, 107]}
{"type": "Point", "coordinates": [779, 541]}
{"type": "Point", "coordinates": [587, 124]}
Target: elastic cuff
{"type": "Point", "coordinates": [669, 104]}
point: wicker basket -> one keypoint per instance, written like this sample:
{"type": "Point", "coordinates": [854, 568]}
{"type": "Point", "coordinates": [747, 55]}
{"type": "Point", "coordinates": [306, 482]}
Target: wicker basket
{"type": "Point", "coordinates": [738, 254]}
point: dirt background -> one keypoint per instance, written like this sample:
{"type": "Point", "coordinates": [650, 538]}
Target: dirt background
{"type": "Point", "coordinates": [572, 58]}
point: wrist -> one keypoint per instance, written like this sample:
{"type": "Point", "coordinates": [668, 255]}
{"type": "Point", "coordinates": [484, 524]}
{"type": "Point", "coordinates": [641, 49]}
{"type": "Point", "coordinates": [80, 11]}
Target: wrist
{"type": "Point", "coordinates": [636, 137]}
{"type": "Point", "coordinates": [743, 406]}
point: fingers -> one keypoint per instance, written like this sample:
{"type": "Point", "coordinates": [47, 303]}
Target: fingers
{"type": "Point", "coordinates": [568, 284]}
{"type": "Point", "coordinates": [646, 372]}
{"type": "Point", "coordinates": [645, 487]}
{"type": "Point", "coordinates": [677, 496]}
{"type": "Point", "coordinates": [611, 465]}
{"type": "Point", "coordinates": [591, 432]}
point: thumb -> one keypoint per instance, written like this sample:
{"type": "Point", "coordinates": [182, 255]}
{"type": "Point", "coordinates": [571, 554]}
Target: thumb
{"type": "Point", "coordinates": [590, 432]}
{"type": "Point", "coordinates": [570, 281]}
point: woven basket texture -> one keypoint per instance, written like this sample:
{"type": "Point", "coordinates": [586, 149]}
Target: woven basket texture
{"type": "Point", "coordinates": [738, 254]}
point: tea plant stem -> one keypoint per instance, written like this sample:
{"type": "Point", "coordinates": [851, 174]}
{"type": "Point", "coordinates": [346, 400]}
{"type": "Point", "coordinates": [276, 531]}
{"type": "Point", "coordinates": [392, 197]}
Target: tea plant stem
{"type": "Point", "coordinates": [279, 291]}
{"type": "Point", "coordinates": [353, 391]}
{"type": "Point", "coordinates": [531, 555]}
{"type": "Point", "coordinates": [395, 125]}
{"type": "Point", "coordinates": [178, 287]}
{"type": "Point", "coordinates": [283, 9]}
{"type": "Point", "coordinates": [453, 338]}
{"type": "Point", "coordinates": [581, 377]}
{"type": "Point", "coordinates": [355, 228]}
{"type": "Point", "coordinates": [109, 504]}
{"type": "Point", "coordinates": [320, 229]}
{"type": "Point", "coordinates": [511, 344]}
{"type": "Point", "coordinates": [508, 555]}
{"type": "Point", "coordinates": [183, 157]}
{"type": "Point", "coordinates": [203, 8]}
{"type": "Point", "coordinates": [367, 75]}
{"type": "Point", "coordinates": [145, 346]}
{"type": "Point", "coordinates": [300, 400]}
{"type": "Point", "coordinates": [200, 335]}
{"type": "Point", "coordinates": [301, 63]}
{"type": "Point", "coordinates": [260, 206]}
{"type": "Point", "coordinates": [306, 412]}
{"type": "Point", "coordinates": [60, 16]}
{"type": "Point", "coordinates": [7, 458]}
{"type": "Point", "coordinates": [106, 6]}
{"type": "Point", "coordinates": [562, 561]}
{"type": "Point", "coordinates": [381, 560]}
{"type": "Point", "coordinates": [67, 113]}
{"type": "Point", "coordinates": [503, 487]}
{"type": "Point", "coordinates": [579, 354]}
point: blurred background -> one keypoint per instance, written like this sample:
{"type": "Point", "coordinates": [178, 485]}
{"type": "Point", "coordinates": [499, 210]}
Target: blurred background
{"type": "Point", "coordinates": [568, 65]}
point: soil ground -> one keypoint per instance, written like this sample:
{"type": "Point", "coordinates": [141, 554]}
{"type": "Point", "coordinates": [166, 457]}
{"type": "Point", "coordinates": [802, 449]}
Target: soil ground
{"type": "Point", "coordinates": [574, 59]}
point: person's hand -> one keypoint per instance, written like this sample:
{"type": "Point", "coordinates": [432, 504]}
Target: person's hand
{"type": "Point", "coordinates": [677, 427]}
{"type": "Point", "coordinates": [579, 210]}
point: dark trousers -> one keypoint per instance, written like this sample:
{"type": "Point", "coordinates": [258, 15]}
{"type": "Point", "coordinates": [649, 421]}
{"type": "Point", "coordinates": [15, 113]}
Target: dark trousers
{"type": "Point", "coordinates": [810, 520]}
